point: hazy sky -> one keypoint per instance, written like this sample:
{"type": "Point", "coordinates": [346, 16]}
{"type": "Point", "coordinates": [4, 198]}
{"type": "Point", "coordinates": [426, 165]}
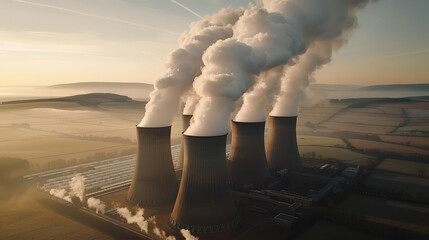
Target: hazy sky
{"type": "Point", "coordinates": [45, 42]}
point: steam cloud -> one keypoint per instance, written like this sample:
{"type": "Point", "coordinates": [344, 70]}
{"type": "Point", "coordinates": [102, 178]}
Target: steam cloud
{"type": "Point", "coordinates": [97, 204]}
{"type": "Point", "coordinates": [161, 233]}
{"type": "Point", "coordinates": [325, 25]}
{"type": "Point", "coordinates": [77, 189]}
{"type": "Point", "coordinates": [261, 53]}
{"type": "Point", "coordinates": [187, 235]}
{"type": "Point", "coordinates": [137, 218]}
{"type": "Point", "coordinates": [261, 41]}
{"type": "Point", "coordinates": [184, 64]}
{"type": "Point", "coordinates": [77, 186]}
{"type": "Point", "coordinates": [60, 193]}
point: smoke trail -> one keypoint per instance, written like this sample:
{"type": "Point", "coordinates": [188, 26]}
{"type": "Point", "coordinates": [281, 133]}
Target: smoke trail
{"type": "Point", "coordinates": [160, 233]}
{"type": "Point", "coordinates": [137, 218]}
{"type": "Point", "coordinates": [60, 193]}
{"type": "Point", "coordinates": [191, 100]}
{"type": "Point", "coordinates": [325, 26]}
{"type": "Point", "coordinates": [184, 64]}
{"type": "Point", "coordinates": [77, 189]}
{"type": "Point", "coordinates": [260, 96]}
{"type": "Point", "coordinates": [97, 204]}
{"type": "Point", "coordinates": [77, 186]}
{"type": "Point", "coordinates": [187, 235]}
{"type": "Point", "coordinates": [297, 79]}
{"type": "Point", "coordinates": [261, 41]}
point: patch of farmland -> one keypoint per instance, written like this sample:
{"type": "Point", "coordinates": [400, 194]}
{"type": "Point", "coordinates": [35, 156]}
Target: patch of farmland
{"type": "Point", "coordinates": [341, 154]}
{"type": "Point", "coordinates": [349, 127]}
{"type": "Point", "coordinates": [415, 141]}
{"type": "Point", "coordinates": [404, 215]}
{"type": "Point", "coordinates": [304, 140]}
{"type": "Point", "coordinates": [415, 105]}
{"type": "Point", "coordinates": [361, 120]}
{"type": "Point", "coordinates": [394, 182]}
{"type": "Point", "coordinates": [327, 230]}
{"type": "Point", "coordinates": [414, 129]}
{"type": "Point", "coordinates": [24, 218]}
{"type": "Point", "coordinates": [386, 147]}
{"type": "Point", "coordinates": [377, 109]}
{"type": "Point", "coordinates": [417, 113]}
{"type": "Point", "coordinates": [74, 128]}
{"type": "Point", "coordinates": [369, 118]}
{"type": "Point", "coordinates": [32, 105]}
{"type": "Point", "coordinates": [405, 167]}
{"type": "Point", "coordinates": [50, 148]}
{"type": "Point", "coordinates": [18, 134]}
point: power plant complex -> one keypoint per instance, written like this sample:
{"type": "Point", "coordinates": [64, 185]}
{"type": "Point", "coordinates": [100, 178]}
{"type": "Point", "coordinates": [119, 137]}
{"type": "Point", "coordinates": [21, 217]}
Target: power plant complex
{"type": "Point", "coordinates": [204, 202]}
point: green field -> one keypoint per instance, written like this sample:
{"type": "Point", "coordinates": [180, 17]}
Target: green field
{"type": "Point", "coordinates": [400, 214]}
{"type": "Point", "coordinates": [394, 182]}
{"type": "Point", "coordinates": [341, 154]}
{"type": "Point", "coordinates": [304, 140]}
{"type": "Point", "coordinates": [405, 167]}
{"type": "Point", "coordinates": [328, 230]}
{"type": "Point", "coordinates": [24, 218]}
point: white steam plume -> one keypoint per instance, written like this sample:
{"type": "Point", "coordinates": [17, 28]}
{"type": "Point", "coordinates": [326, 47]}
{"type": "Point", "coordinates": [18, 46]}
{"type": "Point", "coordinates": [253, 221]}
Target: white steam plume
{"type": "Point", "coordinates": [260, 96]}
{"type": "Point", "coordinates": [161, 233]}
{"type": "Point", "coordinates": [77, 186]}
{"type": "Point", "coordinates": [137, 218]}
{"type": "Point", "coordinates": [77, 189]}
{"type": "Point", "coordinates": [325, 25]}
{"type": "Point", "coordinates": [60, 193]}
{"type": "Point", "coordinates": [261, 41]}
{"type": "Point", "coordinates": [97, 204]}
{"type": "Point", "coordinates": [184, 64]}
{"type": "Point", "coordinates": [298, 77]}
{"type": "Point", "coordinates": [187, 235]}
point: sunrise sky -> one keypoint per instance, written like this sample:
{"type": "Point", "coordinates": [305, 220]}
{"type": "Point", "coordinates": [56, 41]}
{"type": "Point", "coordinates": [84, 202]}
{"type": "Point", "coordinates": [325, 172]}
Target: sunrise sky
{"type": "Point", "coordinates": [46, 42]}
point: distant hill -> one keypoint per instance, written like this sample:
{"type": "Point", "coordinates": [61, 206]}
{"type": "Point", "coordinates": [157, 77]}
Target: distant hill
{"type": "Point", "coordinates": [91, 99]}
{"type": "Point", "coordinates": [134, 90]}
{"type": "Point", "coordinates": [397, 87]}
{"type": "Point", "coordinates": [335, 87]}
{"type": "Point", "coordinates": [98, 85]}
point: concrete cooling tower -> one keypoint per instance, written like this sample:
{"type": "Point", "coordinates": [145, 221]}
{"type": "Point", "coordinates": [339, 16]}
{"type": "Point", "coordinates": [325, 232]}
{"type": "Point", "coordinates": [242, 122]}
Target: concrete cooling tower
{"type": "Point", "coordinates": [204, 203]}
{"type": "Point", "coordinates": [247, 161]}
{"type": "Point", "coordinates": [154, 182]}
{"type": "Point", "coordinates": [281, 147]}
{"type": "Point", "coordinates": [186, 121]}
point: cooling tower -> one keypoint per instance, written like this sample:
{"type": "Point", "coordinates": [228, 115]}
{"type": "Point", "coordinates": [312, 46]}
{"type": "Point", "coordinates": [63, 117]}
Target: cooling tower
{"type": "Point", "coordinates": [186, 121]}
{"type": "Point", "coordinates": [204, 203]}
{"type": "Point", "coordinates": [281, 147]}
{"type": "Point", "coordinates": [154, 182]}
{"type": "Point", "coordinates": [247, 161]}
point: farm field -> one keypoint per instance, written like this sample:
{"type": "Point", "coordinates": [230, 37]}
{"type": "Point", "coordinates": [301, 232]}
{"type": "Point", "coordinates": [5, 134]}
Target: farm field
{"type": "Point", "coordinates": [327, 230]}
{"type": "Point", "coordinates": [405, 167]}
{"type": "Point", "coordinates": [357, 128]}
{"type": "Point", "coordinates": [341, 154]}
{"type": "Point", "coordinates": [390, 212]}
{"type": "Point", "coordinates": [412, 141]}
{"type": "Point", "coordinates": [24, 218]}
{"type": "Point", "coordinates": [305, 140]}
{"type": "Point", "coordinates": [394, 182]}
{"type": "Point", "coordinates": [386, 147]}
{"type": "Point", "coordinates": [48, 133]}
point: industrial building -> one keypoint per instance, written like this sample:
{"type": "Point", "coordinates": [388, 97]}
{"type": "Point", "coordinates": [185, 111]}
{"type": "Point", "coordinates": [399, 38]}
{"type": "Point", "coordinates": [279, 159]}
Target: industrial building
{"type": "Point", "coordinates": [281, 146]}
{"type": "Point", "coordinates": [247, 162]}
{"type": "Point", "coordinates": [154, 182]}
{"type": "Point", "coordinates": [204, 203]}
